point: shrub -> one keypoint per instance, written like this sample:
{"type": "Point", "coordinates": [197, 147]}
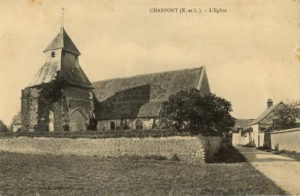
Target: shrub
{"type": "Point", "coordinates": [3, 127]}
{"type": "Point", "coordinates": [155, 157]}
{"type": "Point", "coordinates": [206, 115]}
{"type": "Point", "coordinates": [175, 157]}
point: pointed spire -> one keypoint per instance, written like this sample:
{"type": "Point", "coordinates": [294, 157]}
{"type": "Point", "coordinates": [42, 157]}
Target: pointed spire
{"type": "Point", "coordinates": [63, 41]}
{"type": "Point", "coordinates": [62, 17]}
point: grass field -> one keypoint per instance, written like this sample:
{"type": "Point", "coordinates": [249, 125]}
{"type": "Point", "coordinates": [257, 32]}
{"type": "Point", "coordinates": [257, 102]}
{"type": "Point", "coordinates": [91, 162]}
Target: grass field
{"type": "Point", "coordinates": [23, 174]}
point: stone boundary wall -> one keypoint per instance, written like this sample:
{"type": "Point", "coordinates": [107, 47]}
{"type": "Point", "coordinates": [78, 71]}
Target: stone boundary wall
{"type": "Point", "coordinates": [189, 149]}
{"type": "Point", "coordinates": [288, 139]}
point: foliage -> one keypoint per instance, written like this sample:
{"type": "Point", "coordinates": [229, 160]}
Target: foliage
{"type": "Point", "coordinates": [206, 114]}
{"type": "Point", "coordinates": [129, 133]}
{"type": "Point", "coordinates": [286, 116]}
{"type": "Point", "coordinates": [3, 127]}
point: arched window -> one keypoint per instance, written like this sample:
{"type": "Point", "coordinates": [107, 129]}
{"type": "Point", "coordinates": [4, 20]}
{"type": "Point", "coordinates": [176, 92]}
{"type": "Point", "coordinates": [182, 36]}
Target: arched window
{"type": "Point", "coordinates": [124, 124]}
{"type": "Point", "coordinates": [52, 54]}
{"type": "Point", "coordinates": [112, 125]}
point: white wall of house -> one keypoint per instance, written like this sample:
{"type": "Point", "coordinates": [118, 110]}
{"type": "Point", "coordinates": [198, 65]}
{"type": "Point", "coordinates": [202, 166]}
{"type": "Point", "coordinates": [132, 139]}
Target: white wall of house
{"type": "Point", "coordinates": [238, 139]}
{"type": "Point", "coordinates": [257, 136]}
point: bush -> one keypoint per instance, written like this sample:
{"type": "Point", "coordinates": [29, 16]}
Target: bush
{"type": "Point", "coordinates": [3, 127]}
{"type": "Point", "coordinates": [207, 115]}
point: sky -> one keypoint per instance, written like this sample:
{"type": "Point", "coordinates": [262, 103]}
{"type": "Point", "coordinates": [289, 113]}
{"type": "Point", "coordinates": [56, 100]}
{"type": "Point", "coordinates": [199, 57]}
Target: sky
{"type": "Point", "coordinates": [251, 51]}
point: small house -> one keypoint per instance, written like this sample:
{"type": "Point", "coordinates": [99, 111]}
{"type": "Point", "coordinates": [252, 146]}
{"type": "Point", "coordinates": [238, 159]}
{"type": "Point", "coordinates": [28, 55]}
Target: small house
{"type": "Point", "coordinates": [263, 122]}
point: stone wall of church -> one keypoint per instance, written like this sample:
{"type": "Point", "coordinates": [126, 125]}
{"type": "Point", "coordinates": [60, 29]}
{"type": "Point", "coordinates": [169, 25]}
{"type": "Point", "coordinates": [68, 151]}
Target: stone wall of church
{"type": "Point", "coordinates": [29, 108]}
{"type": "Point", "coordinates": [77, 98]}
{"type": "Point", "coordinates": [50, 106]}
{"type": "Point", "coordinates": [147, 123]}
{"type": "Point", "coordinates": [80, 103]}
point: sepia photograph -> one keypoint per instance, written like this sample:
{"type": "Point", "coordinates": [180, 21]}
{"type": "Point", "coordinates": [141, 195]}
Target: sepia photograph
{"type": "Point", "coordinates": [149, 98]}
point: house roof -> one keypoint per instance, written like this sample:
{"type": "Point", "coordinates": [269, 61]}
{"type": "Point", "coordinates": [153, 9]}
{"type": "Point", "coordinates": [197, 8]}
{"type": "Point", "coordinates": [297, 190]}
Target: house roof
{"type": "Point", "coordinates": [62, 41]}
{"type": "Point", "coordinates": [160, 87]}
{"type": "Point", "coordinates": [242, 123]}
{"type": "Point", "coordinates": [265, 113]}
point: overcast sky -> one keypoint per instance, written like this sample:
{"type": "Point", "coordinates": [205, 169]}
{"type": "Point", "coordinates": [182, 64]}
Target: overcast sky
{"type": "Point", "coordinates": [250, 52]}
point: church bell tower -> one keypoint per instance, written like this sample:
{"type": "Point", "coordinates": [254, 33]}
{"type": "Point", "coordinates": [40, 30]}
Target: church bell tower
{"type": "Point", "coordinates": [59, 98]}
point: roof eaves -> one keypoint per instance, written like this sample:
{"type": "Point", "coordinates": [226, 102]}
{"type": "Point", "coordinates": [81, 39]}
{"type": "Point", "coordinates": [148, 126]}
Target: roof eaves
{"type": "Point", "coordinates": [260, 118]}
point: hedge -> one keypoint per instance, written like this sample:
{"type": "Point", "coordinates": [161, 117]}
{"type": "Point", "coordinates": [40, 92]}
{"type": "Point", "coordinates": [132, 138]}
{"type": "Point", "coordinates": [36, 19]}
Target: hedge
{"type": "Point", "coordinates": [130, 133]}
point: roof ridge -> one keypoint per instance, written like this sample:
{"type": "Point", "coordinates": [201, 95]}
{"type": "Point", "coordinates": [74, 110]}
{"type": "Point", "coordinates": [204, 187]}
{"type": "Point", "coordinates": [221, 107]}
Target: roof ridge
{"type": "Point", "coordinates": [146, 74]}
{"type": "Point", "coordinates": [263, 116]}
{"type": "Point", "coordinates": [62, 41]}
{"type": "Point", "coordinates": [64, 32]}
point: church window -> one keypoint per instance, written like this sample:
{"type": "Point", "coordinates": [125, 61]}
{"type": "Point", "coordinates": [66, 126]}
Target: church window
{"type": "Point", "coordinates": [52, 54]}
{"type": "Point", "coordinates": [112, 125]}
{"type": "Point", "coordinates": [139, 124]}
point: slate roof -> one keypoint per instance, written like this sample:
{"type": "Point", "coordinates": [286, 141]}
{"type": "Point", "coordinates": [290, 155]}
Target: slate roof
{"type": "Point", "coordinates": [265, 114]}
{"type": "Point", "coordinates": [68, 68]}
{"type": "Point", "coordinates": [72, 72]}
{"type": "Point", "coordinates": [46, 74]}
{"type": "Point", "coordinates": [162, 85]}
{"type": "Point", "coordinates": [62, 41]}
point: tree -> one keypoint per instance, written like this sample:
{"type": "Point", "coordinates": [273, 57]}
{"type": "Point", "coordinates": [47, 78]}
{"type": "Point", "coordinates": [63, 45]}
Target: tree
{"type": "Point", "coordinates": [3, 127]}
{"type": "Point", "coordinates": [205, 115]}
{"type": "Point", "coordinates": [285, 117]}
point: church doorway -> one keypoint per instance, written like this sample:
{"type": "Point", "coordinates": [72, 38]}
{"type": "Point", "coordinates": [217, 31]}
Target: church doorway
{"type": "Point", "coordinates": [77, 122]}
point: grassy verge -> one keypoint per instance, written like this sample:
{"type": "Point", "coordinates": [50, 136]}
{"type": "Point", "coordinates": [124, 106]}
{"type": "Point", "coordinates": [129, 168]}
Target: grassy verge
{"type": "Point", "coordinates": [291, 154]}
{"type": "Point", "coordinates": [23, 174]}
{"type": "Point", "coordinates": [287, 153]}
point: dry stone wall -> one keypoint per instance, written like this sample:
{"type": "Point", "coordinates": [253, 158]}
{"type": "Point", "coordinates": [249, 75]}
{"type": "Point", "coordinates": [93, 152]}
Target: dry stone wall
{"type": "Point", "coordinates": [189, 149]}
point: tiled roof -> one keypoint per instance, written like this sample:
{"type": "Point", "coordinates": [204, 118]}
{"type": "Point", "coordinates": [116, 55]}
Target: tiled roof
{"type": "Point", "coordinates": [159, 86]}
{"type": "Point", "coordinates": [265, 114]}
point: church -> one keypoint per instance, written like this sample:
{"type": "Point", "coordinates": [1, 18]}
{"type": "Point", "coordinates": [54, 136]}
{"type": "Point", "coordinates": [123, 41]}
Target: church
{"type": "Point", "coordinates": [62, 98]}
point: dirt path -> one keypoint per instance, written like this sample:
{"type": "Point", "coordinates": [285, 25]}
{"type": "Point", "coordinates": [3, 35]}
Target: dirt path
{"type": "Point", "coordinates": [283, 171]}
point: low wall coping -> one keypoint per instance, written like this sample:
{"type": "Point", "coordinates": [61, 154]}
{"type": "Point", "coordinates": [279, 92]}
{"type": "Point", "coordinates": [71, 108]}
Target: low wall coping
{"type": "Point", "coordinates": [286, 130]}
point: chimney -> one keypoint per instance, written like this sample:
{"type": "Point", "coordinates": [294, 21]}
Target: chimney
{"type": "Point", "coordinates": [269, 103]}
